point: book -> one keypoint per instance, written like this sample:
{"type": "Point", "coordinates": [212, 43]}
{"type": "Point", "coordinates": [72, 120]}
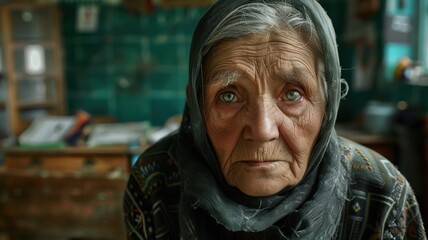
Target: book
{"type": "Point", "coordinates": [117, 133]}
{"type": "Point", "coordinates": [47, 131]}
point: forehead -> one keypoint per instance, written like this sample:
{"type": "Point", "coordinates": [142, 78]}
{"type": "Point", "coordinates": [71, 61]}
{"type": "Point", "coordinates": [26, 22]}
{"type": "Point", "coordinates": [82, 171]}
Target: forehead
{"type": "Point", "coordinates": [273, 51]}
{"type": "Point", "coordinates": [284, 41]}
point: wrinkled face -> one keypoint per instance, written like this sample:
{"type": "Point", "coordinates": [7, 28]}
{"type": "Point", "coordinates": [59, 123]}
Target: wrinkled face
{"type": "Point", "coordinates": [264, 106]}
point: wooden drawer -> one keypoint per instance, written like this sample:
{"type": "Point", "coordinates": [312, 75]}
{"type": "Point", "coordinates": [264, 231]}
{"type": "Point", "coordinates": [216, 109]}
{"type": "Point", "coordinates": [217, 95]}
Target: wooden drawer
{"type": "Point", "coordinates": [74, 165]}
{"type": "Point", "coordinates": [59, 195]}
{"type": "Point", "coordinates": [89, 161]}
{"type": "Point", "coordinates": [55, 207]}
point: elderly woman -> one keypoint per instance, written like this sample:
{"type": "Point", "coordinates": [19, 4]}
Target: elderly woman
{"type": "Point", "coordinates": [257, 156]}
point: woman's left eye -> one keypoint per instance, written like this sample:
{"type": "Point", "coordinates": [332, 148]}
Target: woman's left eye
{"type": "Point", "coordinates": [292, 95]}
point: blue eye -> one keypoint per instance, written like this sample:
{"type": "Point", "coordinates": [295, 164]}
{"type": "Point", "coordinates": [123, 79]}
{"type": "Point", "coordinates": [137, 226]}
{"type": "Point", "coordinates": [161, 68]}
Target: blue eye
{"type": "Point", "coordinates": [292, 95]}
{"type": "Point", "coordinates": [228, 97]}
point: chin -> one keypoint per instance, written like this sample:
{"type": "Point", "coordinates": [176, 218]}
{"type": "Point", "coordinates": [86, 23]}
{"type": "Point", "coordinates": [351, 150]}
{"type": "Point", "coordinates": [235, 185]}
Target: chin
{"type": "Point", "coordinates": [262, 189]}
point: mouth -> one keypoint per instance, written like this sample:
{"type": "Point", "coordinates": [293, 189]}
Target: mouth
{"type": "Point", "coordinates": [255, 164]}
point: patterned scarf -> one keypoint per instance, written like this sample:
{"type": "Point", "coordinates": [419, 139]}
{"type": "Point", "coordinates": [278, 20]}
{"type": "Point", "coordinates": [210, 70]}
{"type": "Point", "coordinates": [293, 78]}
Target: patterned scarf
{"type": "Point", "coordinates": [309, 210]}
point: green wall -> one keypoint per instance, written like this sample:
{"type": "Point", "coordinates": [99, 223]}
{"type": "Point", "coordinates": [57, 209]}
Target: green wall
{"type": "Point", "coordinates": [133, 67]}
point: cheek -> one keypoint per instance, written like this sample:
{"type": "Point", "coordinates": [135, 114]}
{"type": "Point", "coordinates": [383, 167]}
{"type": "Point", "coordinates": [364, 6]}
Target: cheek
{"type": "Point", "coordinates": [223, 128]}
{"type": "Point", "coordinates": [301, 131]}
{"type": "Point", "coordinates": [314, 118]}
{"type": "Point", "coordinates": [223, 113]}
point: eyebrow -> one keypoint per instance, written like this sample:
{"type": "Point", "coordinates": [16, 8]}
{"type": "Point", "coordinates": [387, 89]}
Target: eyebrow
{"type": "Point", "coordinates": [224, 77]}
{"type": "Point", "coordinates": [298, 74]}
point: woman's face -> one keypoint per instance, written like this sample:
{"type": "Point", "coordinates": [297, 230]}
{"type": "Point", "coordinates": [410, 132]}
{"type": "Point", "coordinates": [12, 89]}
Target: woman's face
{"type": "Point", "coordinates": [264, 106]}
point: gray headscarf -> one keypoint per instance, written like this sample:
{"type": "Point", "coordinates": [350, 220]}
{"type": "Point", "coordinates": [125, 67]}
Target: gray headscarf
{"type": "Point", "coordinates": [309, 210]}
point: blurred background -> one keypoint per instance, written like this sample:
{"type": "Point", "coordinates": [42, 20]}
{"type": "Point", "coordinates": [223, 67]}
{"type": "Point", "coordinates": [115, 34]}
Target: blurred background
{"type": "Point", "coordinates": [87, 85]}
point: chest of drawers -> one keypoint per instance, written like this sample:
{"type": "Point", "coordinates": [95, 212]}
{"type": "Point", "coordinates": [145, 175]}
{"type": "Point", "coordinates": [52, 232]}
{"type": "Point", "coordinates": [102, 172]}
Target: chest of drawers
{"type": "Point", "coordinates": [70, 193]}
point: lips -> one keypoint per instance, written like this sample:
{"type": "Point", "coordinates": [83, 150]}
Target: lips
{"type": "Point", "coordinates": [259, 163]}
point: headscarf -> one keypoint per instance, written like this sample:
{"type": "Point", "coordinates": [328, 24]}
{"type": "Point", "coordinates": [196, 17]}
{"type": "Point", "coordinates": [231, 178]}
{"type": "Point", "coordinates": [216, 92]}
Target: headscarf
{"type": "Point", "coordinates": [308, 210]}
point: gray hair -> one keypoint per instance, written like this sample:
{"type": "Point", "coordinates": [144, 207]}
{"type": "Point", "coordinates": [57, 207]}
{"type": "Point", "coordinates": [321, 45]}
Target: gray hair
{"type": "Point", "coordinates": [255, 18]}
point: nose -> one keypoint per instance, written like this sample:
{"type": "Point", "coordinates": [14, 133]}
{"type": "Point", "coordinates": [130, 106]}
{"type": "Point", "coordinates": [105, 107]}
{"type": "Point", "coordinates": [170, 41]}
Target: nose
{"type": "Point", "coordinates": [262, 121]}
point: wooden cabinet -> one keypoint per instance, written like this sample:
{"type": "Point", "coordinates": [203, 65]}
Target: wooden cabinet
{"type": "Point", "coordinates": [69, 193]}
{"type": "Point", "coordinates": [33, 74]}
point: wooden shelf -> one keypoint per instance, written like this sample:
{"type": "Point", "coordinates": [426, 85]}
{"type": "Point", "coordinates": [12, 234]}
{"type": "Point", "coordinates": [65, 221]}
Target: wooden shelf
{"type": "Point", "coordinates": [81, 150]}
{"type": "Point", "coordinates": [18, 75]}
{"type": "Point", "coordinates": [36, 105]}
{"type": "Point", "coordinates": [24, 43]}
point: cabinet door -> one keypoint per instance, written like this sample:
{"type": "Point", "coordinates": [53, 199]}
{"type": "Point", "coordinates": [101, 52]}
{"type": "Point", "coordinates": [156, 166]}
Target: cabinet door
{"type": "Point", "coordinates": [32, 57]}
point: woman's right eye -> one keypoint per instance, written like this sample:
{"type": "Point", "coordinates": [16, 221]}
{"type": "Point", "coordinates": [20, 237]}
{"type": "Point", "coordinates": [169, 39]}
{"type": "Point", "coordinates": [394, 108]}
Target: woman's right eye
{"type": "Point", "coordinates": [228, 97]}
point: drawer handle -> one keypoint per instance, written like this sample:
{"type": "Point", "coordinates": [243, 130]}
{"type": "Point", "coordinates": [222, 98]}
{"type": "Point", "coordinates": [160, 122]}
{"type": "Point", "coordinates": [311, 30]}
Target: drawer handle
{"type": "Point", "coordinates": [88, 163]}
{"type": "Point", "coordinates": [35, 163]}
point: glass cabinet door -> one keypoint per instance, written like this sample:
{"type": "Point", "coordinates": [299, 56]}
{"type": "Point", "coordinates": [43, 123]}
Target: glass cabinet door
{"type": "Point", "coordinates": [34, 69]}
{"type": "Point", "coordinates": [31, 41]}
{"type": "Point", "coordinates": [33, 59]}
{"type": "Point", "coordinates": [31, 24]}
